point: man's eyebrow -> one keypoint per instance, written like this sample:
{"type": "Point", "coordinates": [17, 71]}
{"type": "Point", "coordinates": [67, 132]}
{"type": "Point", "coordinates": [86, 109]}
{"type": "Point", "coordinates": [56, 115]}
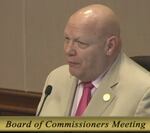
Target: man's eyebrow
{"type": "Point", "coordinates": [76, 39]}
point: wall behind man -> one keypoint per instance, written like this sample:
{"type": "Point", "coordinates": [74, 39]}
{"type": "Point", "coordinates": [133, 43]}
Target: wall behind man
{"type": "Point", "coordinates": [31, 36]}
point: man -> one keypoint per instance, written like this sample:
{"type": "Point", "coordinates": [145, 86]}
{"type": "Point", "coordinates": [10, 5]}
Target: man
{"type": "Point", "coordinates": [120, 87]}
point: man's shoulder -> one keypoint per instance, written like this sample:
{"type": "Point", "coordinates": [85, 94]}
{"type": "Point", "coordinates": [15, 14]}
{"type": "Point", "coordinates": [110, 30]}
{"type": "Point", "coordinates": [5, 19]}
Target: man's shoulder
{"type": "Point", "coordinates": [60, 77]}
{"type": "Point", "coordinates": [61, 71]}
{"type": "Point", "coordinates": [136, 67]}
{"type": "Point", "coordinates": [134, 71]}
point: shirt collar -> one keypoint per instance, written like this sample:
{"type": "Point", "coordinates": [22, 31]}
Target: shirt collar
{"type": "Point", "coordinates": [95, 82]}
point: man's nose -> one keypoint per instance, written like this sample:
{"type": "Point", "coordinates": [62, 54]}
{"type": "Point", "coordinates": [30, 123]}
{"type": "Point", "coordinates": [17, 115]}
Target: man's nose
{"type": "Point", "coordinates": [70, 48]}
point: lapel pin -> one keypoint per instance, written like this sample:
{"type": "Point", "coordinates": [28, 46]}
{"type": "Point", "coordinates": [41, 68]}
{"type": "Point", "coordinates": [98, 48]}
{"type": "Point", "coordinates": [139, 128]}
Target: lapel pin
{"type": "Point", "coordinates": [106, 97]}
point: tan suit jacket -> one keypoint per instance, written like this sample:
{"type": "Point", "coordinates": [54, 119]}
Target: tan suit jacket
{"type": "Point", "coordinates": [127, 83]}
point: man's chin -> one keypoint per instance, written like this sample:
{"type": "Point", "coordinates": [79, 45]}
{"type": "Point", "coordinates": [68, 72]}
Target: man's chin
{"type": "Point", "coordinates": [74, 73]}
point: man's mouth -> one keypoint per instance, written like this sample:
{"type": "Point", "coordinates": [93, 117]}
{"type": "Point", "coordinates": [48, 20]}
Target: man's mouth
{"type": "Point", "coordinates": [73, 64]}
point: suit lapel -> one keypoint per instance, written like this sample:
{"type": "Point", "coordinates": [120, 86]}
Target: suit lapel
{"type": "Point", "coordinates": [98, 104]}
{"type": "Point", "coordinates": [61, 101]}
{"type": "Point", "coordinates": [70, 95]}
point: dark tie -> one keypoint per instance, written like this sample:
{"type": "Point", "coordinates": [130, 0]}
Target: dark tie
{"type": "Point", "coordinates": [85, 98]}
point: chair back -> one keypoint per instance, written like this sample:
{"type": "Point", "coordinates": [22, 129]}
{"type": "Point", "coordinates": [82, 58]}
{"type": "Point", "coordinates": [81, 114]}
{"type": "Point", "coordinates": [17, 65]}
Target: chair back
{"type": "Point", "coordinates": [143, 61]}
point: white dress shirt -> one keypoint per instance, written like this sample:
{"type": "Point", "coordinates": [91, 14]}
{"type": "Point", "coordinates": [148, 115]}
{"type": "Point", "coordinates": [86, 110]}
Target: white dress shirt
{"type": "Point", "coordinates": [79, 92]}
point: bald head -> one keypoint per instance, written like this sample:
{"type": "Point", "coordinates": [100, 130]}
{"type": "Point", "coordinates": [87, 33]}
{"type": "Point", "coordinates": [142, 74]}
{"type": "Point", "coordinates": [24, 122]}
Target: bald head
{"type": "Point", "coordinates": [92, 41]}
{"type": "Point", "coordinates": [99, 18]}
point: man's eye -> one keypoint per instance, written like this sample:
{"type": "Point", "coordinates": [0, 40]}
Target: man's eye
{"type": "Point", "coordinates": [67, 39]}
{"type": "Point", "coordinates": [82, 44]}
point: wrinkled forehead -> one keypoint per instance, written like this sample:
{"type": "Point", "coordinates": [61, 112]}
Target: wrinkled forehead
{"type": "Point", "coordinates": [78, 29]}
{"type": "Point", "coordinates": [84, 32]}
{"type": "Point", "coordinates": [80, 23]}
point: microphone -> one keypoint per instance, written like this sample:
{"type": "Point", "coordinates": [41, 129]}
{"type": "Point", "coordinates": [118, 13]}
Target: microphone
{"type": "Point", "coordinates": [48, 91]}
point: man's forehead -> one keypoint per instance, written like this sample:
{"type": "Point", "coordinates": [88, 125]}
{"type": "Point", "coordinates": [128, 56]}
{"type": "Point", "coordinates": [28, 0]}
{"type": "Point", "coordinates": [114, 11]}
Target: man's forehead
{"type": "Point", "coordinates": [83, 28]}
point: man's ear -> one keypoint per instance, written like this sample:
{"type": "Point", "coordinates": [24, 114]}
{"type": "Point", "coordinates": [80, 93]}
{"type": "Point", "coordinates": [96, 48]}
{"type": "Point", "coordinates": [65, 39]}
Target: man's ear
{"type": "Point", "coordinates": [111, 45]}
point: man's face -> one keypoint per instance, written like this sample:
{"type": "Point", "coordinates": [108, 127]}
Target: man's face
{"type": "Point", "coordinates": [84, 51]}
